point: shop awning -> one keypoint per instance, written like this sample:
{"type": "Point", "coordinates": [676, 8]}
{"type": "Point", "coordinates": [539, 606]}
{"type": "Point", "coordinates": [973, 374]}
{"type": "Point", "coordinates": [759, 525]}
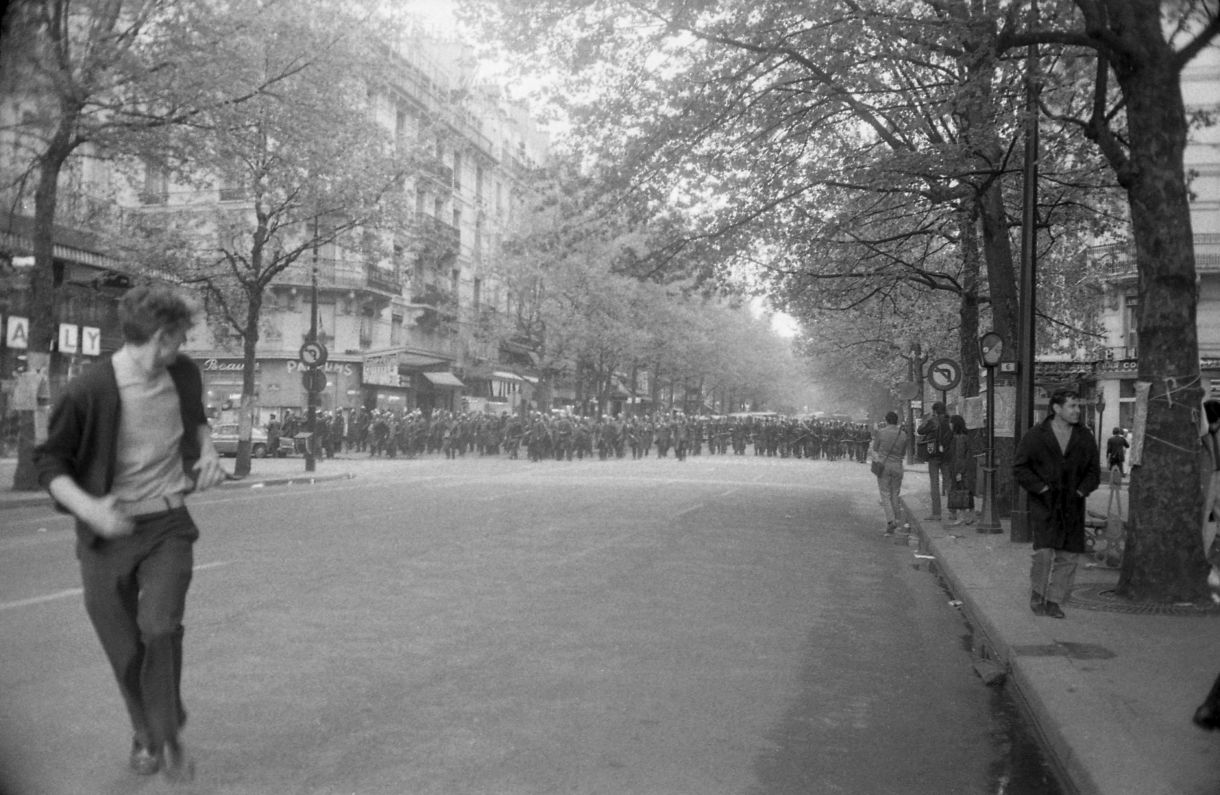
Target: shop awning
{"type": "Point", "coordinates": [503, 376]}
{"type": "Point", "coordinates": [444, 379]}
{"type": "Point", "coordinates": [408, 360]}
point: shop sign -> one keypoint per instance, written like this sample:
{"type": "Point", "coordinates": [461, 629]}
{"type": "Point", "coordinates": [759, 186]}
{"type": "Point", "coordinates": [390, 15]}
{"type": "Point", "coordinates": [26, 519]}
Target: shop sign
{"type": "Point", "coordinates": [225, 365]}
{"type": "Point", "coordinates": [91, 340]}
{"type": "Point", "coordinates": [69, 337]}
{"type": "Point", "coordinates": [382, 370]}
{"type": "Point", "coordinates": [336, 368]}
{"type": "Point", "coordinates": [17, 333]}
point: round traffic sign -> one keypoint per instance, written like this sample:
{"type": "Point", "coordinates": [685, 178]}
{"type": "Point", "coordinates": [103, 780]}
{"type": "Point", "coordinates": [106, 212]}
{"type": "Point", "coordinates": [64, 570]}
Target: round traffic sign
{"type": "Point", "coordinates": [314, 380]}
{"type": "Point", "coordinates": [907, 390]}
{"type": "Point", "coordinates": [313, 354]}
{"type": "Point", "coordinates": [944, 374]}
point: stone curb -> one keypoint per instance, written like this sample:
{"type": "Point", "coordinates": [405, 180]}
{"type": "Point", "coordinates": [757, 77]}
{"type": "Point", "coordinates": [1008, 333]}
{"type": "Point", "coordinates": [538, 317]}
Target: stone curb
{"type": "Point", "coordinates": [1071, 772]}
{"type": "Point", "coordinates": [11, 500]}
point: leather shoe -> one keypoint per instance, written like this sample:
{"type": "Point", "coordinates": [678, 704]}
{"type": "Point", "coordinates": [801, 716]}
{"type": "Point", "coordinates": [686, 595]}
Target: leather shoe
{"type": "Point", "coordinates": [1054, 610]}
{"type": "Point", "coordinates": [1037, 604]}
{"type": "Point", "coordinates": [1206, 717]}
{"type": "Point", "coordinates": [142, 760]}
{"type": "Point", "coordinates": [178, 766]}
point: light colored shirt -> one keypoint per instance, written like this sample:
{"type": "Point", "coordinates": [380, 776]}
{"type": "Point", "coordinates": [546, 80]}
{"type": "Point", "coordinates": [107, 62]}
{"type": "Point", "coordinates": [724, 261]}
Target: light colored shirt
{"type": "Point", "coordinates": [149, 459]}
{"type": "Point", "coordinates": [890, 443]}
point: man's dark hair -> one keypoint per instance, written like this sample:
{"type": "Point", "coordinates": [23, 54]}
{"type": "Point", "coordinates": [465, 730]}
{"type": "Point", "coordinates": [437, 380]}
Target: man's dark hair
{"type": "Point", "coordinates": [891, 417]}
{"type": "Point", "coordinates": [1212, 409]}
{"type": "Point", "coordinates": [146, 309]}
{"type": "Point", "coordinates": [939, 408]}
{"type": "Point", "coordinates": [1061, 396]}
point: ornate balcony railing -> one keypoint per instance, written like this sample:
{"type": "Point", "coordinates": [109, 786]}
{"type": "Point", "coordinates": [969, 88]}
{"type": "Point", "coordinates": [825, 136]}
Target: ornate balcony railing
{"type": "Point", "coordinates": [342, 275]}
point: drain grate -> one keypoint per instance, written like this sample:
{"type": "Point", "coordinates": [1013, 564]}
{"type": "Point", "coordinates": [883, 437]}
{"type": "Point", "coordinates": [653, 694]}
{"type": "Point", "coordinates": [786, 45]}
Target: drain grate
{"type": "Point", "coordinates": [1104, 596]}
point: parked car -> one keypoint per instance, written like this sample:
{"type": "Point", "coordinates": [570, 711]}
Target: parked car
{"type": "Point", "coordinates": [224, 436]}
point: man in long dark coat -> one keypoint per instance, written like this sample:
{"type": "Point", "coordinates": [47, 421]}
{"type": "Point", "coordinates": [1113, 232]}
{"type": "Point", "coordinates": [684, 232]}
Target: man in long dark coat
{"type": "Point", "coordinates": [1058, 463]}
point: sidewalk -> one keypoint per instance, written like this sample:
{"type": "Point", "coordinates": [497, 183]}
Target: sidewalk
{"type": "Point", "coordinates": [1110, 689]}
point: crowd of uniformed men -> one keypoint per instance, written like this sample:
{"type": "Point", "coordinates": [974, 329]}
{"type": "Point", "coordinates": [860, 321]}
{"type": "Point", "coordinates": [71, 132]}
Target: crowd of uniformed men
{"type": "Point", "coordinates": [564, 437]}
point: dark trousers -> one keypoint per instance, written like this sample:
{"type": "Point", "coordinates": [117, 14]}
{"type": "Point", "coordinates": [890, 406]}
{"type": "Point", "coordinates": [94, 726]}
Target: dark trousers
{"type": "Point", "coordinates": [135, 593]}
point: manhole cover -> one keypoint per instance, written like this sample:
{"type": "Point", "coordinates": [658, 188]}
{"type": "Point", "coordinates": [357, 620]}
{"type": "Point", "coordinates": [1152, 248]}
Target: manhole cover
{"type": "Point", "coordinates": [1104, 596]}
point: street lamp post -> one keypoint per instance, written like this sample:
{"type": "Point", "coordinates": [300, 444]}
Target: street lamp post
{"type": "Point", "coordinates": [311, 422]}
{"type": "Point", "coordinates": [915, 363]}
{"type": "Point", "coordinates": [991, 347]}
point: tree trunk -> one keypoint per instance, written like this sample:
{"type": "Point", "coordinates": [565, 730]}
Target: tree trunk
{"type": "Point", "coordinates": [245, 417]}
{"type": "Point", "coordinates": [43, 310]}
{"type": "Point", "coordinates": [1164, 558]}
{"type": "Point", "coordinates": [968, 339]}
{"type": "Point", "coordinates": [1001, 278]}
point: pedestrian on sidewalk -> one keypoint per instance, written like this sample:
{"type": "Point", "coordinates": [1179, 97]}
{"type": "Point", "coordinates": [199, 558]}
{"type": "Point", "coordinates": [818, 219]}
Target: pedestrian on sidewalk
{"type": "Point", "coordinates": [126, 442]}
{"type": "Point", "coordinates": [1116, 451]}
{"type": "Point", "coordinates": [1057, 462]}
{"type": "Point", "coordinates": [1207, 716]}
{"type": "Point", "coordinates": [935, 436]}
{"type": "Point", "coordinates": [1211, 474]}
{"type": "Point", "coordinates": [960, 466]}
{"type": "Point", "coordinates": [889, 445]}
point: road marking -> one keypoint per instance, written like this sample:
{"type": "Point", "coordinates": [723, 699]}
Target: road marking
{"type": "Point", "coordinates": [691, 509]}
{"type": "Point", "coordinates": [37, 600]}
{"type": "Point", "coordinates": [72, 592]}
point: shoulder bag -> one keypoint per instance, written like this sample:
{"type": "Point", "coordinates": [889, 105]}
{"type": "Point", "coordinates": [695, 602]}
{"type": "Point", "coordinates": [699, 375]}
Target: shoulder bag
{"type": "Point", "coordinates": [878, 466]}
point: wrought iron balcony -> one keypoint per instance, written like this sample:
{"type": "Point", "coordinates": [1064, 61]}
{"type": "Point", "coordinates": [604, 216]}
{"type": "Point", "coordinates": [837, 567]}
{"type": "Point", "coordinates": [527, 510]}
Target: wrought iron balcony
{"type": "Point", "coordinates": [342, 275]}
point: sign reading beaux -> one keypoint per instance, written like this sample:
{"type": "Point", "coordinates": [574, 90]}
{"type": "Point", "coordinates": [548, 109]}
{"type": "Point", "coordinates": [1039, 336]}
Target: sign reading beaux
{"type": "Point", "coordinates": [224, 365]}
{"type": "Point", "coordinates": [292, 365]}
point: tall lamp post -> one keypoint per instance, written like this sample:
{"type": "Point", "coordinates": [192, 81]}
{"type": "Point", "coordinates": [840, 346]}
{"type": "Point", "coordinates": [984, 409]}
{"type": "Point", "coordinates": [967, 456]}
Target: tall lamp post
{"type": "Point", "coordinates": [915, 363]}
{"type": "Point", "coordinates": [991, 347]}
{"type": "Point", "coordinates": [311, 423]}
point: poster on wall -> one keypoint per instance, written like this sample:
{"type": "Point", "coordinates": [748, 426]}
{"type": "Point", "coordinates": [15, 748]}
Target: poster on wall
{"type": "Point", "coordinates": [974, 412]}
{"type": "Point", "coordinates": [1005, 411]}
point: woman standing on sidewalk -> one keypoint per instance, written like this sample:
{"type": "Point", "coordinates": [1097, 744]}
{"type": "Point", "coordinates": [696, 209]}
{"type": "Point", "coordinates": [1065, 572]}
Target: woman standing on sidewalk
{"type": "Point", "coordinates": [889, 445]}
{"type": "Point", "coordinates": [961, 468]}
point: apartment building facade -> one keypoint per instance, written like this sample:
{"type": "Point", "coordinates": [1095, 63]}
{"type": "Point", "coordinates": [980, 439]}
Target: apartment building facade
{"type": "Point", "coordinates": [407, 331]}
{"type": "Point", "coordinates": [412, 331]}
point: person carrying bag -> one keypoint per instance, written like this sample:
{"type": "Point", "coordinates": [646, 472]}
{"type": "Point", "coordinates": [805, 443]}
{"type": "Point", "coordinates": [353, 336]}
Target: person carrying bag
{"type": "Point", "coordinates": [889, 443]}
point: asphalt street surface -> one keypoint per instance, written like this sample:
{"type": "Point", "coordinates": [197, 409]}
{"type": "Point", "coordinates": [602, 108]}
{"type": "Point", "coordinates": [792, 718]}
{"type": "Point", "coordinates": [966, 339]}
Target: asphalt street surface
{"type": "Point", "coordinates": [719, 625]}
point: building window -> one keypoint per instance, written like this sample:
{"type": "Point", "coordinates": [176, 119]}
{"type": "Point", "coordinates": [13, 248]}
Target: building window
{"type": "Point", "coordinates": [1131, 304]}
{"type": "Point", "coordinates": [231, 189]}
{"type": "Point", "coordinates": [400, 131]}
{"type": "Point", "coordinates": [396, 337]}
{"type": "Point", "coordinates": [156, 184]}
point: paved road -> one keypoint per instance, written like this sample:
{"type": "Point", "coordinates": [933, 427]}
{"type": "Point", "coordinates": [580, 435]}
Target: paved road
{"type": "Point", "coordinates": [722, 625]}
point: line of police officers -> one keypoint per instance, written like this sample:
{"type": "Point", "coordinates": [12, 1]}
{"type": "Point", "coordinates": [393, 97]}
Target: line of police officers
{"type": "Point", "coordinates": [564, 437]}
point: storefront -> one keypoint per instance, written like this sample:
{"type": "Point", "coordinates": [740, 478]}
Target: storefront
{"type": "Point", "coordinates": [385, 389]}
{"type": "Point", "coordinates": [408, 380]}
{"type": "Point", "coordinates": [278, 386]}
{"type": "Point", "coordinates": [508, 392]}
{"type": "Point", "coordinates": [439, 390]}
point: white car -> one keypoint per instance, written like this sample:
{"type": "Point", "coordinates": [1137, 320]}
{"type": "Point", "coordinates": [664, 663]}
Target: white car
{"type": "Point", "coordinates": [224, 436]}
